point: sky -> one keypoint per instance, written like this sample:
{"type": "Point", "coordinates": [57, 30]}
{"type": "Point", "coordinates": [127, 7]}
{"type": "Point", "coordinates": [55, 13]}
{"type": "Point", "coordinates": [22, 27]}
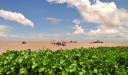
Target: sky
{"type": "Point", "coordinates": [64, 20]}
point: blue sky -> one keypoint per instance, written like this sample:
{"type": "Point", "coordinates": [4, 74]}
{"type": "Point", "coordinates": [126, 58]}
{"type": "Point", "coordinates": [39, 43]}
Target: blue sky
{"type": "Point", "coordinates": [37, 11]}
{"type": "Point", "coordinates": [49, 18]}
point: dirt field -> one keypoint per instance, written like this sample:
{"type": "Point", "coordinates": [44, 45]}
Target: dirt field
{"type": "Point", "coordinates": [17, 45]}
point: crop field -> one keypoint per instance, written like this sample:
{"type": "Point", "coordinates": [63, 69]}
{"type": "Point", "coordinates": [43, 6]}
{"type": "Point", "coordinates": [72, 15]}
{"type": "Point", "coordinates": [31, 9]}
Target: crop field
{"type": "Point", "coordinates": [81, 61]}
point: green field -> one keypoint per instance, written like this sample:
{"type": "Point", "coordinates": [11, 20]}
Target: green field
{"type": "Point", "coordinates": [83, 61]}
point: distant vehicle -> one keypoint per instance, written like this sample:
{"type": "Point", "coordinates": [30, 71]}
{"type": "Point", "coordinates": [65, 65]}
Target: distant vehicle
{"type": "Point", "coordinates": [98, 41]}
{"type": "Point", "coordinates": [63, 43]}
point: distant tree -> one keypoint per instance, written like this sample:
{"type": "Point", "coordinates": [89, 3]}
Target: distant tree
{"type": "Point", "coordinates": [71, 41]}
{"type": "Point", "coordinates": [23, 42]}
{"type": "Point", "coordinates": [75, 41]}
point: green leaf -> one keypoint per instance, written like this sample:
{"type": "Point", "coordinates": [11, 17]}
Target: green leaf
{"type": "Point", "coordinates": [100, 73]}
{"type": "Point", "coordinates": [34, 65]}
{"type": "Point", "coordinates": [64, 73]}
{"type": "Point", "coordinates": [41, 69]}
{"type": "Point", "coordinates": [23, 71]}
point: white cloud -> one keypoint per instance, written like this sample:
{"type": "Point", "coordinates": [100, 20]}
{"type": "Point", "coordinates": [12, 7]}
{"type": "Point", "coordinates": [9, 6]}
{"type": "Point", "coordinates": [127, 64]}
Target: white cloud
{"type": "Point", "coordinates": [48, 36]}
{"type": "Point", "coordinates": [76, 21]}
{"type": "Point", "coordinates": [4, 30]}
{"type": "Point", "coordinates": [17, 17]}
{"type": "Point", "coordinates": [110, 20]}
{"type": "Point", "coordinates": [53, 20]}
{"type": "Point", "coordinates": [78, 30]}
{"type": "Point", "coordinates": [57, 1]}
{"type": "Point", "coordinates": [37, 37]}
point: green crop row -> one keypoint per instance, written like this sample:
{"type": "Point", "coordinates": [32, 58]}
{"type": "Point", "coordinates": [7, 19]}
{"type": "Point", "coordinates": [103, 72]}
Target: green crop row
{"type": "Point", "coordinates": [83, 61]}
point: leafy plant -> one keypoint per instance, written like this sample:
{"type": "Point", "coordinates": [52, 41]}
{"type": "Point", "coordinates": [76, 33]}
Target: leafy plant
{"type": "Point", "coordinates": [83, 61]}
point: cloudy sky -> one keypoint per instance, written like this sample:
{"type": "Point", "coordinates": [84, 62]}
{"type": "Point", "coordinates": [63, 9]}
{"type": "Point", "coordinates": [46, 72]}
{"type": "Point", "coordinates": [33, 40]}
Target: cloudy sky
{"type": "Point", "coordinates": [63, 19]}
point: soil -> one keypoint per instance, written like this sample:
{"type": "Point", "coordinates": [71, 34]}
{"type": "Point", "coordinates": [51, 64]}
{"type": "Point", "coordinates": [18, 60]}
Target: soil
{"type": "Point", "coordinates": [35, 46]}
